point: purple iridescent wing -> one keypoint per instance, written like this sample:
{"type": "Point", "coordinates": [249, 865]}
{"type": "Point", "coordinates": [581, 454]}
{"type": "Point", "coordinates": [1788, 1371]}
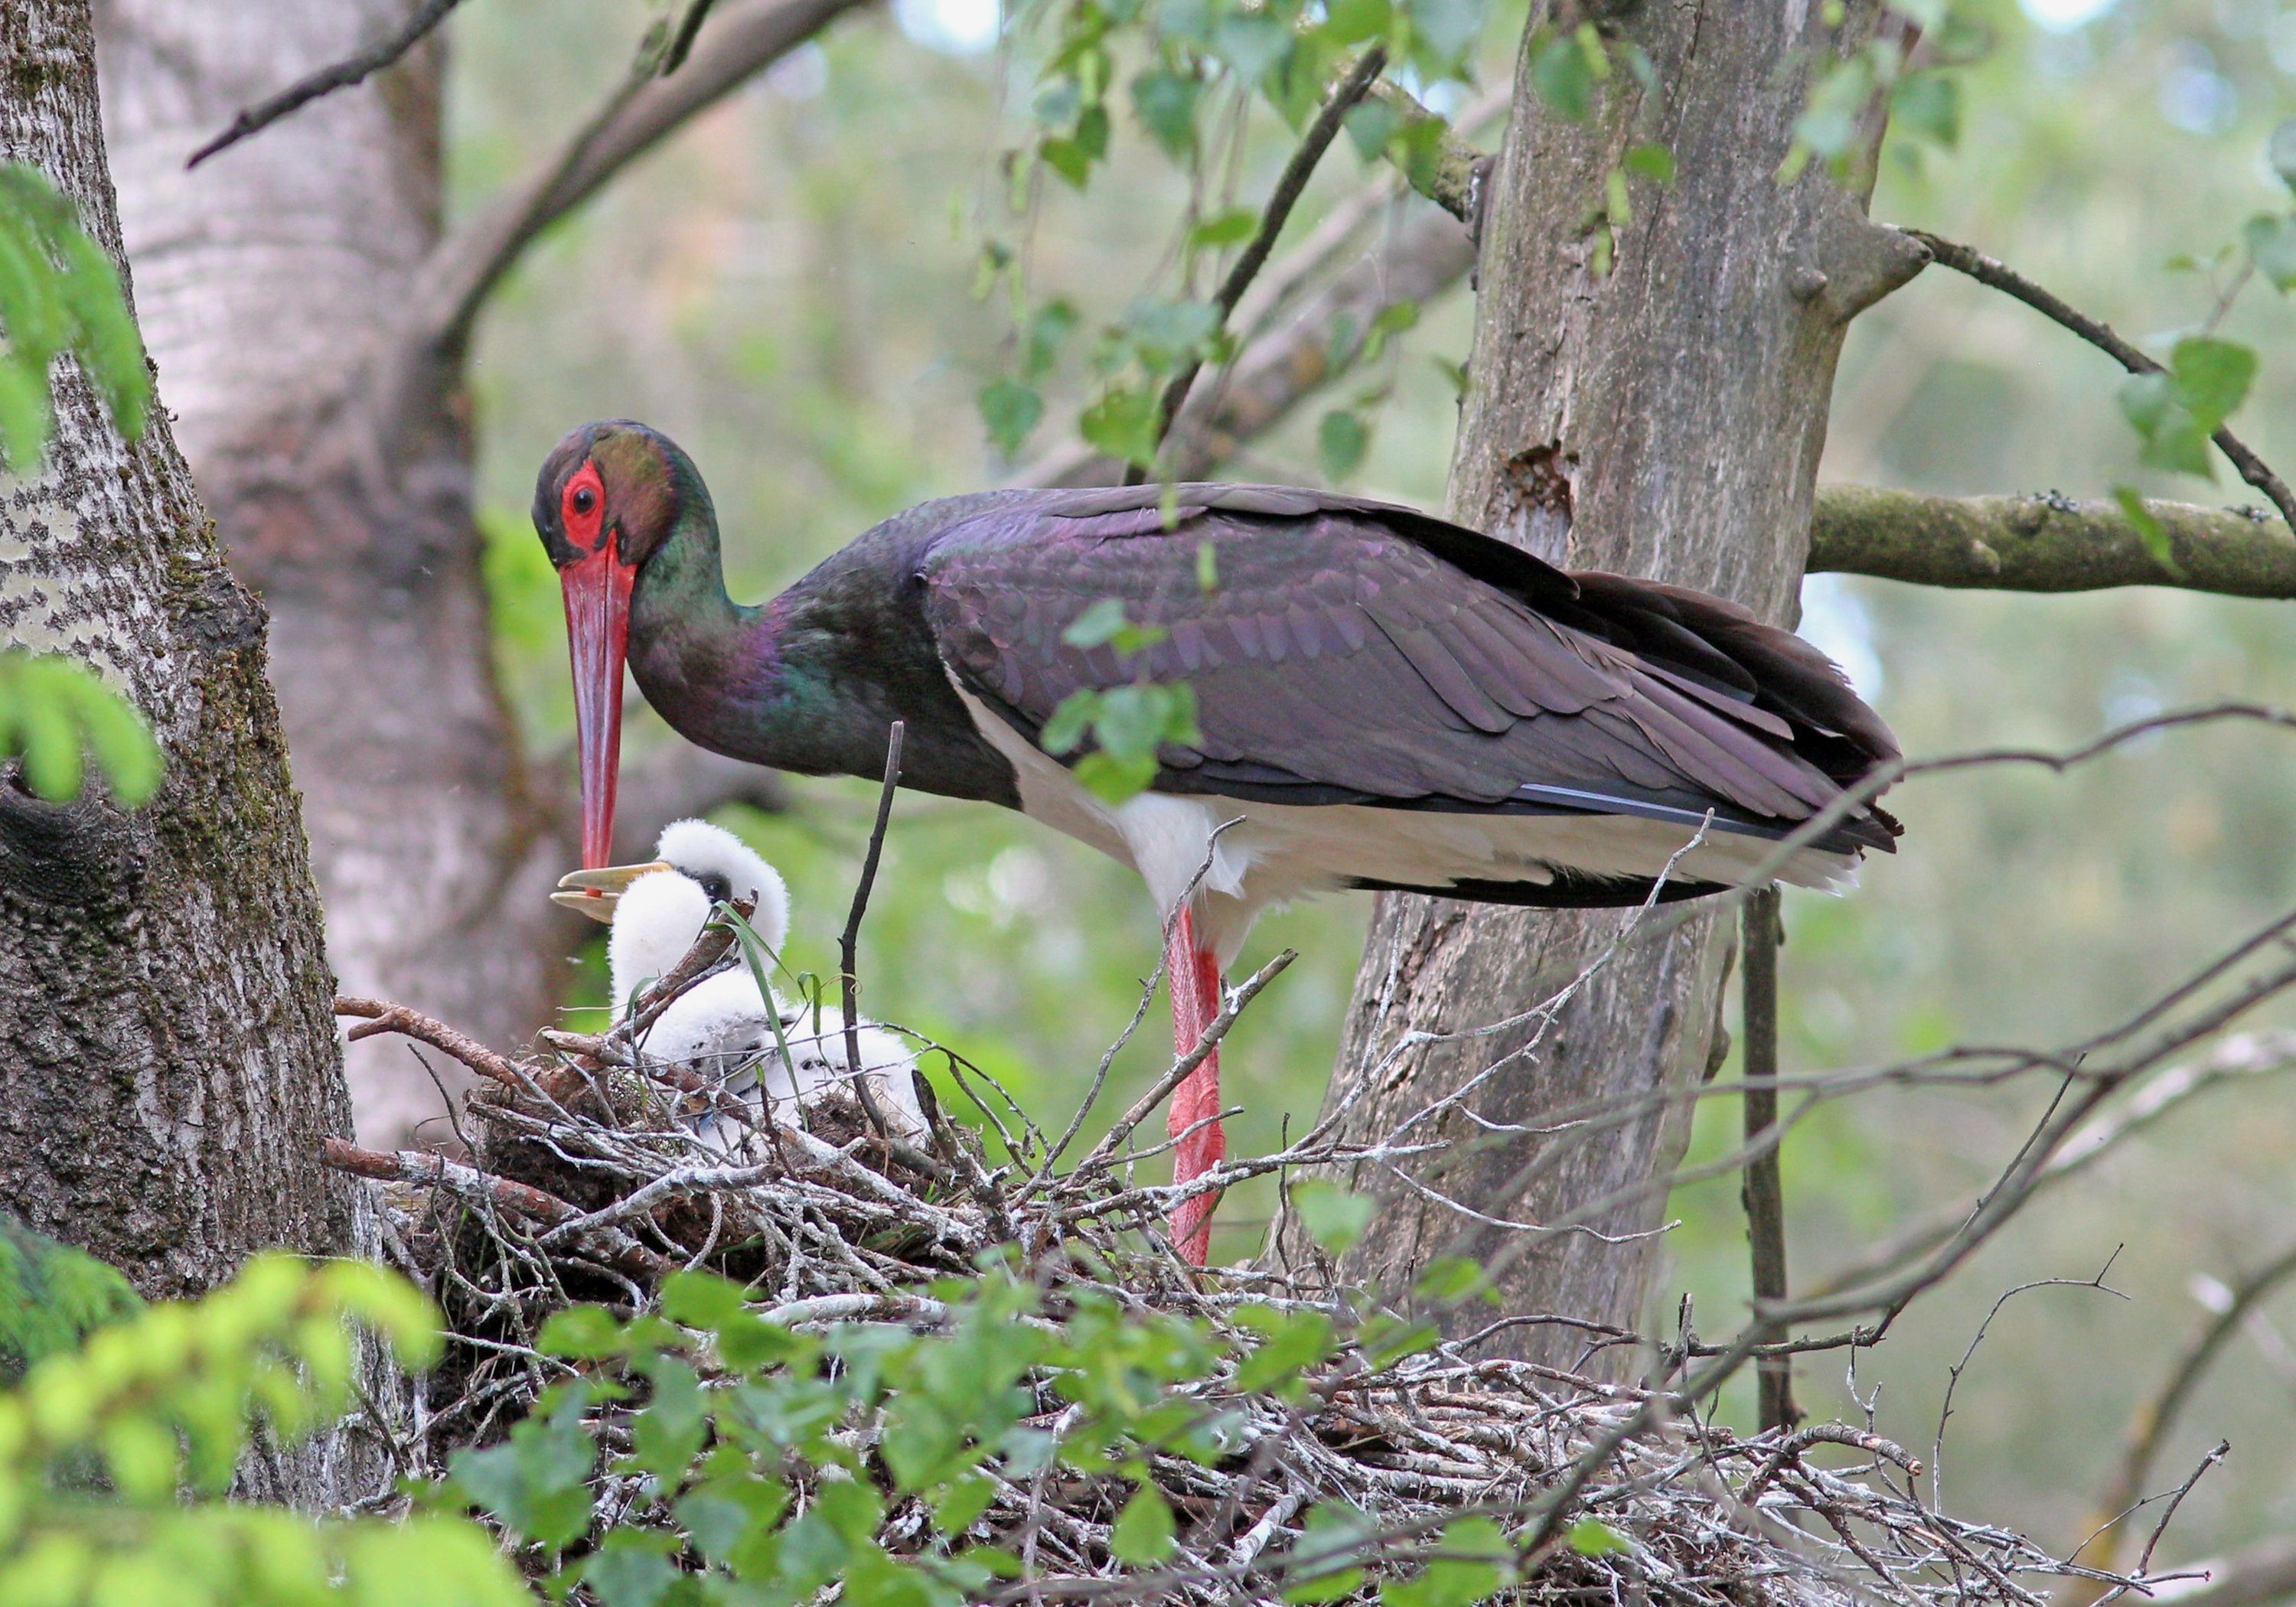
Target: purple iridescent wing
{"type": "Point", "coordinates": [1347, 652]}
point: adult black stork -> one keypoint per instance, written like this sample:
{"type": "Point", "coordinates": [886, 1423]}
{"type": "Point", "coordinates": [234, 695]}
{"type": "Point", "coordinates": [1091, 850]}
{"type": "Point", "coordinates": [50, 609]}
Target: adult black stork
{"type": "Point", "coordinates": [1385, 700]}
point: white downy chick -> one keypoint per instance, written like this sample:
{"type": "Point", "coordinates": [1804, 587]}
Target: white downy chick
{"type": "Point", "coordinates": [723, 1028]}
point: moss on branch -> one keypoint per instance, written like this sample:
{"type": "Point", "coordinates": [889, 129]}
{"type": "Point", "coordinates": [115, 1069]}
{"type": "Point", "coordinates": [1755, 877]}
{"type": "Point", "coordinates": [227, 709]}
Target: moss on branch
{"type": "Point", "coordinates": [2045, 543]}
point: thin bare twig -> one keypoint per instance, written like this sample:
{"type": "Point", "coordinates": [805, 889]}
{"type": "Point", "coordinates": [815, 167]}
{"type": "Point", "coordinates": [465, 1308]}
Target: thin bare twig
{"type": "Point", "coordinates": [849, 981]}
{"type": "Point", "coordinates": [352, 70]}
{"type": "Point", "coordinates": [1286, 194]}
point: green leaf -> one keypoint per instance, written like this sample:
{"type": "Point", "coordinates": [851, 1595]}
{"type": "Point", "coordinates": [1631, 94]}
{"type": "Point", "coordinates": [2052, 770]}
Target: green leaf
{"type": "Point", "coordinates": [1145, 1531]}
{"type": "Point", "coordinates": [1232, 227]}
{"type": "Point", "coordinates": [1450, 29]}
{"type": "Point", "coordinates": [1070, 721]}
{"type": "Point", "coordinates": [1473, 1561]}
{"type": "Point", "coordinates": [2175, 412]}
{"type": "Point", "coordinates": [1353, 21]}
{"type": "Point", "coordinates": [2149, 528]}
{"type": "Point", "coordinates": [1098, 624]}
{"type": "Point", "coordinates": [701, 1300]}
{"type": "Point", "coordinates": [1114, 778]}
{"type": "Point", "coordinates": [1293, 1342]}
{"type": "Point", "coordinates": [1393, 319]}
{"type": "Point", "coordinates": [1372, 126]}
{"type": "Point", "coordinates": [1165, 334]}
{"type": "Point", "coordinates": [1123, 423]}
{"type": "Point", "coordinates": [59, 292]}
{"type": "Point", "coordinates": [1253, 43]}
{"type": "Point", "coordinates": [1451, 1279]}
{"type": "Point", "coordinates": [1653, 161]}
{"type": "Point", "coordinates": [961, 1502]}
{"type": "Point", "coordinates": [2212, 376]}
{"type": "Point", "coordinates": [582, 1333]}
{"type": "Point", "coordinates": [1048, 328]}
{"type": "Point", "coordinates": [1829, 124]}
{"type": "Point", "coordinates": [1341, 441]}
{"type": "Point", "coordinates": [1207, 567]}
{"type": "Point", "coordinates": [24, 415]}
{"type": "Point", "coordinates": [2172, 438]}
{"type": "Point", "coordinates": [1010, 411]}
{"type": "Point", "coordinates": [1928, 105]}
{"type": "Point", "coordinates": [2282, 152]}
{"type": "Point", "coordinates": [1067, 158]}
{"type": "Point", "coordinates": [53, 710]}
{"type": "Point", "coordinates": [1333, 1217]}
{"type": "Point", "coordinates": [1166, 104]}
{"type": "Point", "coordinates": [669, 1432]}
{"type": "Point", "coordinates": [1321, 1563]}
{"type": "Point", "coordinates": [629, 1569]}
{"type": "Point", "coordinates": [2271, 241]}
{"type": "Point", "coordinates": [1593, 1538]}
{"type": "Point", "coordinates": [1564, 81]}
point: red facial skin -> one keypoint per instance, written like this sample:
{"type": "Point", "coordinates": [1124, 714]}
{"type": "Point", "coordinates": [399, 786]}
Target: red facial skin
{"type": "Point", "coordinates": [597, 586]}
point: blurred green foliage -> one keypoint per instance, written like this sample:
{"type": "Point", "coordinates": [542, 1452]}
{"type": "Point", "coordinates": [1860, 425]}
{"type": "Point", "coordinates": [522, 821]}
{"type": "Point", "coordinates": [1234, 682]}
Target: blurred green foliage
{"type": "Point", "coordinates": [59, 295]}
{"type": "Point", "coordinates": [51, 1297]}
{"type": "Point", "coordinates": [115, 1458]}
{"type": "Point", "coordinates": [54, 710]}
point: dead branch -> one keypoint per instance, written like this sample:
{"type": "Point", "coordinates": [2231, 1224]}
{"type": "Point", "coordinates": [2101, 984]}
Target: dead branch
{"type": "Point", "coordinates": [385, 1017]}
{"type": "Point", "coordinates": [340, 75]}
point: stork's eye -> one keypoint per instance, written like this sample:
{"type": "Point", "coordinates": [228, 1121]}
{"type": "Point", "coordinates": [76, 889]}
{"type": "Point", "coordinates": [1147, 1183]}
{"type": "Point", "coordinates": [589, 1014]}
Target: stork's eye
{"type": "Point", "coordinates": [585, 499]}
{"type": "Point", "coordinates": [719, 889]}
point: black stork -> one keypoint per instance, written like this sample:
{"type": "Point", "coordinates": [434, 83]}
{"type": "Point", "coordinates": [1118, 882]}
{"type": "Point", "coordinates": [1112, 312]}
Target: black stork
{"type": "Point", "coordinates": [1385, 700]}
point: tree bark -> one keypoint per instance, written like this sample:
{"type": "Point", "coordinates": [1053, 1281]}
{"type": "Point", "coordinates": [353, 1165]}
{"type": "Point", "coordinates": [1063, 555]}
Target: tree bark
{"type": "Point", "coordinates": [169, 1066]}
{"type": "Point", "coordinates": [1664, 420]}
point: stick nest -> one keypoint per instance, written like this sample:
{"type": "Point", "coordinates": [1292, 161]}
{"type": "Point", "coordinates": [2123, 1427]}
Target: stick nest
{"type": "Point", "coordinates": [584, 1183]}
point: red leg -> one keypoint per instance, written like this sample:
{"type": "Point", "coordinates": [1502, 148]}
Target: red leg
{"type": "Point", "coordinates": [1193, 975]}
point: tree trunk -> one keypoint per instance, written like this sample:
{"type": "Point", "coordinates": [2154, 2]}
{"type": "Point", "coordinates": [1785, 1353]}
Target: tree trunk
{"type": "Point", "coordinates": [1663, 418]}
{"type": "Point", "coordinates": [168, 1051]}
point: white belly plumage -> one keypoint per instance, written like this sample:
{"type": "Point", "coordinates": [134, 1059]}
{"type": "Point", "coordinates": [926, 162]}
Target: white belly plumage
{"type": "Point", "coordinates": [1274, 853]}
{"type": "Point", "coordinates": [722, 1031]}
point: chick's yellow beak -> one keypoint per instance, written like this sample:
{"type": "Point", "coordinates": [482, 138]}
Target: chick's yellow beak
{"type": "Point", "coordinates": [594, 892]}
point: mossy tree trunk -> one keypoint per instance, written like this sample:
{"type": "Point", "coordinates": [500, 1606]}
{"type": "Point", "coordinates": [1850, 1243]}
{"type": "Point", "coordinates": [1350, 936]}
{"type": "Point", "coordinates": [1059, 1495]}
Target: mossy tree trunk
{"type": "Point", "coordinates": [1662, 418]}
{"type": "Point", "coordinates": [167, 1052]}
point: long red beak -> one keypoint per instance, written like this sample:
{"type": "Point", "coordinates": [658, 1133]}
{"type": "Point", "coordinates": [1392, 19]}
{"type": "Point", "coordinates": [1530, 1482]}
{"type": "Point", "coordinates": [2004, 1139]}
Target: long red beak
{"type": "Point", "coordinates": [598, 636]}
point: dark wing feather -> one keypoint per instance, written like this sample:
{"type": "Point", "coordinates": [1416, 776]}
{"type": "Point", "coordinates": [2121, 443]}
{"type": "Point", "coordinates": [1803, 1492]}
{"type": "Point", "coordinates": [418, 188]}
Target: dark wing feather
{"type": "Point", "coordinates": [1351, 651]}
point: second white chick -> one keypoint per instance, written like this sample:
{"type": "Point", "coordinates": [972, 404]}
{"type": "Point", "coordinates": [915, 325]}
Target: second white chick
{"type": "Point", "coordinates": [723, 1028]}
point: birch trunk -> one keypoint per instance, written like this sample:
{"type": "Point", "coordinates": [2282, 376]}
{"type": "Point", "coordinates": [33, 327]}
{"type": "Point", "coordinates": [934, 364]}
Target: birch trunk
{"type": "Point", "coordinates": [1662, 419]}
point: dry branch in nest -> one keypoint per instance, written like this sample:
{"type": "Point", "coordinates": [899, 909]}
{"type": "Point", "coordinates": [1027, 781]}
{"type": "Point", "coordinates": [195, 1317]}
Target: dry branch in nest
{"type": "Point", "coordinates": [585, 1183]}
